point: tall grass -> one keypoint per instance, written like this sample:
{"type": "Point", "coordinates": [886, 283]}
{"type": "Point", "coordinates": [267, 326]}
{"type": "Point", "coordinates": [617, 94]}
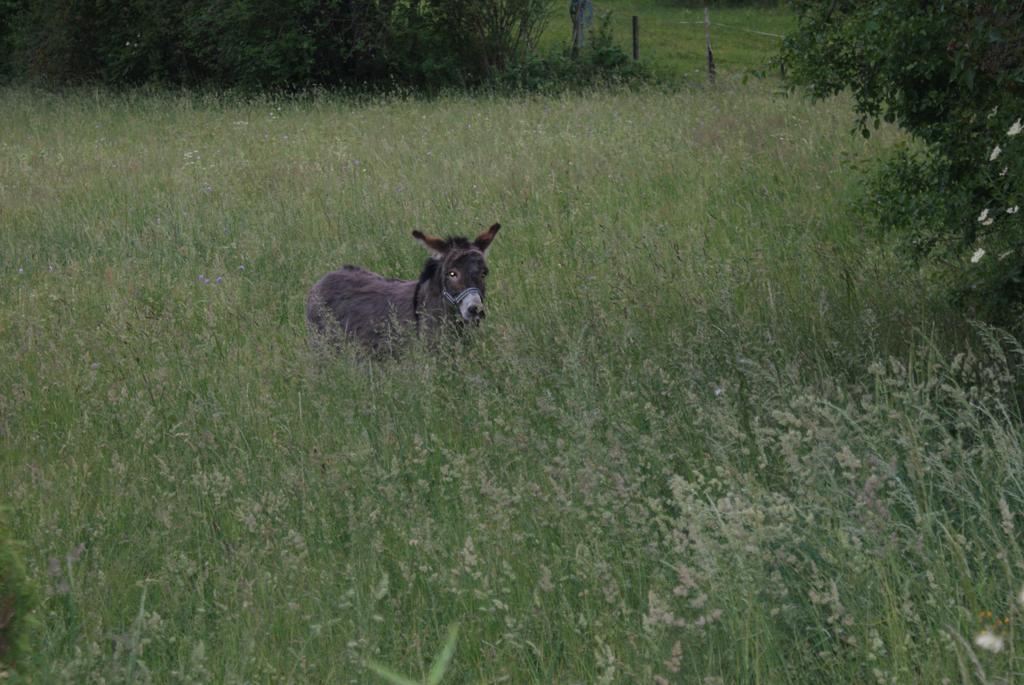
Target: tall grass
{"type": "Point", "coordinates": [707, 432]}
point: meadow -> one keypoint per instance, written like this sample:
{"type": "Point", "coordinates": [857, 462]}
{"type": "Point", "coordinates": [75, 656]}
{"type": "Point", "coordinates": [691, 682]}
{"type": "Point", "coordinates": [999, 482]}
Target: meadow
{"type": "Point", "coordinates": [712, 431]}
{"type": "Point", "coordinates": [672, 41]}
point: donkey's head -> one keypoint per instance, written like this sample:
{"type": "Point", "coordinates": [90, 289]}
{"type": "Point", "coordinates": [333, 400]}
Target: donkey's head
{"type": "Point", "coordinates": [457, 269]}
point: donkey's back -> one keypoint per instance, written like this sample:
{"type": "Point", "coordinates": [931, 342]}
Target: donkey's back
{"type": "Point", "coordinates": [361, 304]}
{"type": "Point", "coordinates": [375, 310]}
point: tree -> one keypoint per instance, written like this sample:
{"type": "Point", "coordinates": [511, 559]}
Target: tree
{"type": "Point", "coordinates": [951, 73]}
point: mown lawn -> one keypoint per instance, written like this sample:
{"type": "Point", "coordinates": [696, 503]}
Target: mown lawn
{"type": "Point", "coordinates": [672, 41]}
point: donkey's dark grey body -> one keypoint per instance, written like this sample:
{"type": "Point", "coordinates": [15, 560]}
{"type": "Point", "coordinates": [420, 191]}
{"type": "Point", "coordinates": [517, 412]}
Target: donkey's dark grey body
{"type": "Point", "coordinates": [368, 307]}
{"type": "Point", "coordinates": [377, 311]}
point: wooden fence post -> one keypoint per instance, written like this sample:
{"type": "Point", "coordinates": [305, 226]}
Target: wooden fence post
{"type": "Point", "coordinates": [707, 38]}
{"type": "Point", "coordinates": [636, 38]}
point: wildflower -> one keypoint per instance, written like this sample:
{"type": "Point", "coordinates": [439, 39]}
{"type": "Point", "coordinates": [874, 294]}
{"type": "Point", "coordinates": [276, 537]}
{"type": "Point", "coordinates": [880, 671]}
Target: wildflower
{"type": "Point", "coordinates": [995, 153]}
{"type": "Point", "coordinates": [1012, 210]}
{"type": "Point", "coordinates": [984, 219]}
{"type": "Point", "coordinates": [978, 254]}
{"type": "Point", "coordinates": [220, 279]}
{"type": "Point", "coordinates": [21, 270]}
{"type": "Point", "coordinates": [545, 583]}
{"type": "Point", "coordinates": [1015, 129]}
{"type": "Point", "coordinates": [1003, 172]}
{"type": "Point", "coordinates": [993, 642]}
{"type": "Point", "coordinates": [241, 267]}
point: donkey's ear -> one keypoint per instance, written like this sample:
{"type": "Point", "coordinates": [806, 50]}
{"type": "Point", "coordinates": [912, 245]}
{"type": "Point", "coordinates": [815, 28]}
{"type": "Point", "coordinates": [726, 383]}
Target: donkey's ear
{"type": "Point", "coordinates": [435, 246]}
{"type": "Point", "coordinates": [483, 241]}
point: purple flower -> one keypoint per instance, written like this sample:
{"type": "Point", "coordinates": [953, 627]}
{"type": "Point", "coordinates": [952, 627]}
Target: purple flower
{"type": "Point", "coordinates": [220, 279]}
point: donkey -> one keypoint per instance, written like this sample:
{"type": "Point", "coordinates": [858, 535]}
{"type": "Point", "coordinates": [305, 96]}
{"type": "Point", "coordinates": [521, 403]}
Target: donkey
{"type": "Point", "coordinates": [374, 310]}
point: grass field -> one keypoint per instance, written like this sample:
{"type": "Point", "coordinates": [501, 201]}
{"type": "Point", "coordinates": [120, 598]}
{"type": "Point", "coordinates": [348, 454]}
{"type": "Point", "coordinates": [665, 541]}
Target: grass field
{"type": "Point", "coordinates": [710, 432]}
{"type": "Point", "coordinates": [672, 41]}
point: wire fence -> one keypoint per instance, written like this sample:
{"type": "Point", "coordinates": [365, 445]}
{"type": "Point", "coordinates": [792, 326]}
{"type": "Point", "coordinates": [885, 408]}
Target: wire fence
{"type": "Point", "coordinates": [736, 28]}
{"type": "Point", "coordinates": [708, 25]}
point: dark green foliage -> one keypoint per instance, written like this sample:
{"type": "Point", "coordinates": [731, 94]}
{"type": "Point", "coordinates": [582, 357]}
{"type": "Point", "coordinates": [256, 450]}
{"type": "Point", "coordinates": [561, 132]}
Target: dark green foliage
{"type": "Point", "coordinates": [17, 600]}
{"type": "Point", "coordinates": [8, 8]}
{"type": "Point", "coordinates": [266, 44]}
{"type": "Point", "coordinates": [600, 62]}
{"type": "Point", "coordinates": [952, 75]}
{"type": "Point", "coordinates": [248, 43]}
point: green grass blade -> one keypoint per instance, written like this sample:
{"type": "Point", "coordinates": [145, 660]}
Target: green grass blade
{"type": "Point", "coordinates": [389, 675]}
{"type": "Point", "coordinates": [440, 665]}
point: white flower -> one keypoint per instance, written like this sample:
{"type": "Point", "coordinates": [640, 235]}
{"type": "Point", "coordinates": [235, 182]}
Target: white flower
{"type": "Point", "coordinates": [986, 639]}
{"type": "Point", "coordinates": [978, 254]}
{"type": "Point", "coordinates": [1012, 210]}
{"type": "Point", "coordinates": [983, 215]}
{"type": "Point", "coordinates": [1003, 172]}
{"type": "Point", "coordinates": [1015, 129]}
{"type": "Point", "coordinates": [995, 153]}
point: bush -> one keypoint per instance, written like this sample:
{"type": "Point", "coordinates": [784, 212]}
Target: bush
{"type": "Point", "coordinates": [266, 44]}
{"type": "Point", "coordinates": [952, 75]}
{"type": "Point", "coordinates": [17, 600]}
{"type": "Point", "coordinates": [600, 62]}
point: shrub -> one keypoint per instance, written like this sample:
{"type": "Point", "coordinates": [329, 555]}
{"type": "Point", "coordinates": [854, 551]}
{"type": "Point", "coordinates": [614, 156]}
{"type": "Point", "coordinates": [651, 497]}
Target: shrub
{"type": "Point", "coordinates": [952, 75]}
{"type": "Point", "coordinates": [17, 600]}
{"type": "Point", "coordinates": [600, 62]}
{"type": "Point", "coordinates": [263, 44]}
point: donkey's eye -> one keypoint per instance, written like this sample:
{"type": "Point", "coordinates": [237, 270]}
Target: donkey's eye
{"type": "Point", "coordinates": [452, 274]}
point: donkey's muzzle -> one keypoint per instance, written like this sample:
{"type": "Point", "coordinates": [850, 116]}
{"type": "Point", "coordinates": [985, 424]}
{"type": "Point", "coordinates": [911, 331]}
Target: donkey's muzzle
{"type": "Point", "coordinates": [470, 303]}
